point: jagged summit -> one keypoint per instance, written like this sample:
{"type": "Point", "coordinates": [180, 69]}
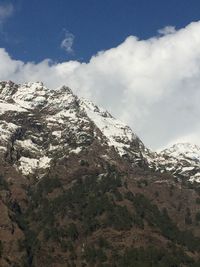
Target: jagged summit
{"type": "Point", "coordinates": [34, 95]}
{"type": "Point", "coordinates": [38, 125]}
{"type": "Point", "coordinates": [186, 150]}
{"type": "Point", "coordinates": [183, 160]}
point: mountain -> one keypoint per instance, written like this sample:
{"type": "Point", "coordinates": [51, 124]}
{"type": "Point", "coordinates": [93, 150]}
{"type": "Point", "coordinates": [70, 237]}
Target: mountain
{"type": "Point", "coordinates": [41, 123]}
{"type": "Point", "coordinates": [182, 160]}
{"type": "Point", "coordinates": [79, 188]}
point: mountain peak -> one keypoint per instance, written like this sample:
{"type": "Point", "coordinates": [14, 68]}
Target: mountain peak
{"type": "Point", "coordinates": [56, 122]}
{"type": "Point", "coordinates": [71, 174]}
{"type": "Point", "coordinates": [182, 160]}
{"type": "Point", "coordinates": [187, 150]}
{"type": "Point", "coordinates": [37, 123]}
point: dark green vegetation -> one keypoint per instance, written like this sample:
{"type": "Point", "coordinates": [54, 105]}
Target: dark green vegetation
{"type": "Point", "coordinates": [74, 220]}
{"type": "Point", "coordinates": [154, 257]}
{"type": "Point", "coordinates": [1, 248]}
{"type": "Point", "coordinates": [161, 220]}
{"type": "Point", "coordinates": [3, 183]}
{"type": "Point", "coordinates": [139, 257]}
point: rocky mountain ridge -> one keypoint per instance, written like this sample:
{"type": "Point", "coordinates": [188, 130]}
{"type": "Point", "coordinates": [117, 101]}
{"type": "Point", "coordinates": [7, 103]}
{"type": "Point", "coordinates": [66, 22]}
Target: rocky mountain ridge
{"type": "Point", "coordinates": [79, 188]}
{"type": "Point", "coordinates": [182, 160]}
{"type": "Point", "coordinates": [58, 123]}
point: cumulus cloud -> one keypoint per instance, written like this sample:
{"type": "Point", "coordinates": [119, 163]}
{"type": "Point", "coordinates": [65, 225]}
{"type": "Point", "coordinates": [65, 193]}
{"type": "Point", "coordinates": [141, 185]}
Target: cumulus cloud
{"type": "Point", "coordinates": [6, 11]}
{"type": "Point", "coordinates": [167, 30]}
{"type": "Point", "coordinates": [67, 42]}
{"type": "Point", "coordinates": [153, 85]}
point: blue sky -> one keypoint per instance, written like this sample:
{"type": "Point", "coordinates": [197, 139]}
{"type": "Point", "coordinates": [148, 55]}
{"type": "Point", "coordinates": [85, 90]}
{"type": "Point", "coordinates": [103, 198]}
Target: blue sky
{"type": "Point", "coordinates": [36, 28]}
{"type": "Point", "coordinates": [147, 73]}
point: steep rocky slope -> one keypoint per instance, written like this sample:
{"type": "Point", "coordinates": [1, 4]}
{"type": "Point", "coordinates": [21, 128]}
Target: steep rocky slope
{"type": "Point", "coordinates": [38, 124]}
{"type": "Point", "coordinates": [182, 160]}
{"type": "Point", "coordinates": [79, 188]}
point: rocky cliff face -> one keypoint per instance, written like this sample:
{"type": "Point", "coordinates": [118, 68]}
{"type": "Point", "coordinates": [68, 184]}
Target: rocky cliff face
{"type": "Point", "coordinates": [79, 188]}
{"type": "Point", "coordinates": [182, 160]}
{"type": "Point", "coordinates": [38, 124]}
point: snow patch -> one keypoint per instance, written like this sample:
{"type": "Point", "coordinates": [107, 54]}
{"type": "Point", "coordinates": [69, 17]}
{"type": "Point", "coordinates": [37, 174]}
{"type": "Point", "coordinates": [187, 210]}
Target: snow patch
{"type": "Point", "coordinates": [76, 150]}
{"type": "Point", "coordinates": [29, 165]}
{"type": "Point", "coordinates": [57, 133]}
{"type": "Point", "coordinates": [118, 134]}
{"type": "Point", "coordinates": [27, 144]}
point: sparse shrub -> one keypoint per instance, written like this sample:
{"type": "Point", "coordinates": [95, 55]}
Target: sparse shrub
{"type": "Point", "coordinates": [197, 217]}
{"type": "Point", "coordinates": [140, 257]}
{"type": "Point", "coordinates": [198, 201]}
{"type": "Point", "coordinates": [129, 195]}
{"type": "Point", "coordinates": [1, 248]}
{"type": "Point", "coordinates": [72, 232]}
{"type": "Point", "coordinates": [188, 218]}
{"type": "Point", "coordinates": [180, 205]}
{"type": "Point", "coordinates": [119, 218]}
{"type": "Point", "coordinates": [93, 255]}
{"type": "Point", "coordinates": [3, 183]}
{"type": "Point", "coordinates": [142, 183]}
{"type": "Point", "coordinates": [84, 163]}
{"type": "Point", "coordinates": [103, 243]}
{"type": "Point", "coordinates": [171, 190]}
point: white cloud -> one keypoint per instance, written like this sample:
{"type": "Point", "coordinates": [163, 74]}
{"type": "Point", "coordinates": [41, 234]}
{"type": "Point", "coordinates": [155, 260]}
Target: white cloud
{"type": "Point", "coordinates": [167, 30]}
{"type": "Point", "coordinates": [67, 42]}
{"type": "Point", "coordinates": [153, 85]}
{"type": "Point", "coordinates": [6, 11]}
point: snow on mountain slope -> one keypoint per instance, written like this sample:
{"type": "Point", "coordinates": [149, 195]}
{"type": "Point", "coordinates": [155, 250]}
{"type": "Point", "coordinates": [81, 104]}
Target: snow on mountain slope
{"type": "Point", "coordinates": [54, 123]}
{"type": "Point", "coordinates": [118, 134]}
{"type": "Point", "coordinates": [39, 125]}
{"type": "Point", "coordinates": [184, 151]}
{"type": "Point", "coordinates": [183, 160]}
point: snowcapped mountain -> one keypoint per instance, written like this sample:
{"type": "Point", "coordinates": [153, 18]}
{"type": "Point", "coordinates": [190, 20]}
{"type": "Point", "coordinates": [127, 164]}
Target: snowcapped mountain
{"type": "Point", "coordinates": [39, 126]}
{"type": "Point", "coordinates": [182, 160]}
{"type": "Point", "coordinates": [79, 188]}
